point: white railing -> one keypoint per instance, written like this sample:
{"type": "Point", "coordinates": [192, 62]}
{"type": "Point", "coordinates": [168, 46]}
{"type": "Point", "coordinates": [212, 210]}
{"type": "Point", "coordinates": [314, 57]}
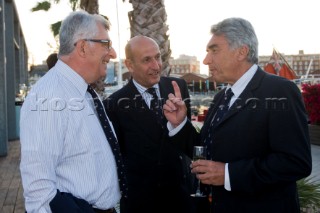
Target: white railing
{"type": "Point", "coordinates": [311, 80]}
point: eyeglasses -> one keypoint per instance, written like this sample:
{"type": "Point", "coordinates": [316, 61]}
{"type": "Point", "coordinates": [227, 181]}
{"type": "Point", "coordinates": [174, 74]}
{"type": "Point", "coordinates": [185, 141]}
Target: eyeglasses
{"type": "Point", "coordinates": [106, 42]}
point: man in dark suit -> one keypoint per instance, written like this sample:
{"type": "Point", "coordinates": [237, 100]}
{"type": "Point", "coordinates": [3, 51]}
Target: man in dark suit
{"type": "Point", "coordinates": [155, 166]}
{"type": "Point", "coordinates": [257, 142]}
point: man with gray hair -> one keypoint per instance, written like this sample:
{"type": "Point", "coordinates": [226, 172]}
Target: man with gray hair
{"type": "Point", "coordinates": [67, 163]}
{"type": "Point", "coordinates": [256, 130]}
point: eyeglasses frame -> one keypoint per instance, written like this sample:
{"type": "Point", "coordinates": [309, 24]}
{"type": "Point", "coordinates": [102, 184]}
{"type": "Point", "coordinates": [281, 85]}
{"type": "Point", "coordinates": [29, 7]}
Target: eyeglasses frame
{"type": "Point", "coordinates": [101, 41]}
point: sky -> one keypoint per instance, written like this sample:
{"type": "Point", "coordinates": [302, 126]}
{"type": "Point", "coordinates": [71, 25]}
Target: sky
{"type": "Point", "coordinates": [287, 25]}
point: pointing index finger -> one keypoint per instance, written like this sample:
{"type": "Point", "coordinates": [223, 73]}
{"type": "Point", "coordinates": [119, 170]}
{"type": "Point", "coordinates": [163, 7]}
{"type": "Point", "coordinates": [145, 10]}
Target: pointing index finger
{"type": "Point", "coordinates": [176, 89]}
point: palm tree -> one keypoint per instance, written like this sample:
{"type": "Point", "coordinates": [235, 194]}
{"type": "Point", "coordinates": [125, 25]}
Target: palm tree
{"type": "Point", "coordinates": [91, 6]}
{"type": "Point", "coordinates": [149, 18]}
{"type": "Point", "coordinates": [46, 5]}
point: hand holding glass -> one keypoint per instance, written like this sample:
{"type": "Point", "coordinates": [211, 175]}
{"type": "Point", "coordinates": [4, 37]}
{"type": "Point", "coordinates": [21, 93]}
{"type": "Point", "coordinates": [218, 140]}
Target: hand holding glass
{"type": "Point", "coordinates": [199, 153]}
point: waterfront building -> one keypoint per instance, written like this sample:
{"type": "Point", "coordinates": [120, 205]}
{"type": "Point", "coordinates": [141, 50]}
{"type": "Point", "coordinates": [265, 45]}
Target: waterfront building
{"type": "Point", "coordinates": [300, 63]}
{"type": "Point", "coordinates": [184, 64]}
{"type": "Point", "coordinates": [13, 71]}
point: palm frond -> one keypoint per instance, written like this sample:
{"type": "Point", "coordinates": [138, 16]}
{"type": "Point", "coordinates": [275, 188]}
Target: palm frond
{"type": "Point", "coordinates": [45, 5]}
{"type": "Point", "coordinates": [106, 17]}
{"type": "Point", "coordinates": [74, 4]}
{"type": "Point", "coordinates": [55, 28]}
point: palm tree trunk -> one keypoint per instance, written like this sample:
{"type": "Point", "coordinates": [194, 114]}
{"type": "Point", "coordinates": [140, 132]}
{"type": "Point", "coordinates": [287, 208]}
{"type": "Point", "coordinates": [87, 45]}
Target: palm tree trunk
{"type": "Point", "coordinates": [149, 18]}
{"type": "Point", "coordinates": [91, 6]}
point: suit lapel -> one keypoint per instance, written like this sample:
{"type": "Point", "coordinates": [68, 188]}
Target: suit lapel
{"type": "Point", "coordinates": [138, 106]}
{"type": "Point", "coordinates": [165, 88]}
{"type": "Point", "coordinates": [212, 110]}
{"type": "Point", "coordinates": [246, 97]}
{"type": "Point", "coordinates": [140, 111]}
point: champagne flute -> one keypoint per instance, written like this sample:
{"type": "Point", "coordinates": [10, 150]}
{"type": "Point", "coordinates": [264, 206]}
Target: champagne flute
{"type": "Point", "coordinates": [23, 91]}
{"type": "Point", "coordinates": [199, 153]}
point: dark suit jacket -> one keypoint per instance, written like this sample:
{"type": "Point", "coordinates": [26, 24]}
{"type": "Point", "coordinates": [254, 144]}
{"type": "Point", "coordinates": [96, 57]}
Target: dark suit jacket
{"type": "Point", "coordinates": [264, 138]}
{"type": "Point", "coordinates": [155, 165]}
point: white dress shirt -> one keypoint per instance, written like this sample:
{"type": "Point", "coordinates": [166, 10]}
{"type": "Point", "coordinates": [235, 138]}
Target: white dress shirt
{"type": "Point", "coordinates": [63, 145]}
{"type": "Point", "coordinates": [237, 88]}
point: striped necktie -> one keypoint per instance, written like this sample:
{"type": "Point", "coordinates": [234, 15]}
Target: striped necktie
{"type": "Point", "coordinates": [155, 105]}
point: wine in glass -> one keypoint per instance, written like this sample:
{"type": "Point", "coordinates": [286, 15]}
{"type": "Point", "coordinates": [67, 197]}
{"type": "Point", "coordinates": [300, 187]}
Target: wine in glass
{"type": "Point", "coordinates": [199, 153]}
{"type": "Point", "coordinates": [23, 91]}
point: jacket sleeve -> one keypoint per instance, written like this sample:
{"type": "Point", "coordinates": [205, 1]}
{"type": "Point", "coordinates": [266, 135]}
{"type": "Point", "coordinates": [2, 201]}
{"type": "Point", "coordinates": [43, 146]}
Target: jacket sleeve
{"type": "Point", "coordinates": [67, 203]}
{"type": "Point", "coordinates": [186, 138]}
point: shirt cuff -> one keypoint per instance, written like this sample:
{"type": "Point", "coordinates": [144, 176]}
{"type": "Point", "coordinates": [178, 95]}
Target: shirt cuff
{"type": "Point", "coordinates": [173, 131]}
{"type": "Point", "coordinates": [227, 185]}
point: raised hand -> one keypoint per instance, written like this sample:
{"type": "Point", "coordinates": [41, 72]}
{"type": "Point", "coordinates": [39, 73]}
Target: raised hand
{"type": "Point", "coordinates": [175, 109]}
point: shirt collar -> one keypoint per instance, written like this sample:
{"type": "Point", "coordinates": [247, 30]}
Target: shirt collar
{"type": "Point", "coordinates": [241, 84]}
{"type": "Point", "coordinates": [143, 89]}
{"type": "Point", "coordinates": [72, 76]}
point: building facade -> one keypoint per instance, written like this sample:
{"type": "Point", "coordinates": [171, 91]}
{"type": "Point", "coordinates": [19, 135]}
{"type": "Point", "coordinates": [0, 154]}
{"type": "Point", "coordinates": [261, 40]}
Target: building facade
{"type": "Point", "coordinates": [13, 71]}
{"type": "Point", "coordinates": [184, 64]}
{"type": "Point", "coordinates": [301, 63]}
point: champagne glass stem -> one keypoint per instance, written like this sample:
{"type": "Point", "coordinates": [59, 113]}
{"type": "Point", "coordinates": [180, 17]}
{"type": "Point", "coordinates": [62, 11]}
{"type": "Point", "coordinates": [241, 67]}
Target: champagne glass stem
{"type": "Point", "coordinates": [199, 153]}
{"type": "Point", "coordinates": [198, 192]}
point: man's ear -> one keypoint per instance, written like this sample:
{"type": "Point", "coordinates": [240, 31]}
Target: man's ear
{"type": "Point", "coordinates": [243, 52]}
{"type": "Point", "coordinates": [81, 48]}
{"type": "Point", "coordinates": [128, 63]}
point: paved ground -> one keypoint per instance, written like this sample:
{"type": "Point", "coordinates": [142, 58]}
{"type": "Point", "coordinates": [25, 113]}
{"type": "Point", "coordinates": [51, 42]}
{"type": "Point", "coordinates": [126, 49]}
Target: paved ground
{"type": "Point", "coordinates": [315, 150]}
{"type": "Point", "coordinates": [11, 199]}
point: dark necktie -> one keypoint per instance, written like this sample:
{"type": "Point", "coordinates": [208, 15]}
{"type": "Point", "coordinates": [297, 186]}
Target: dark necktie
{"type": "Point", "coordinates": [112, 141]}
{"type": "Point", "coordinates": [222, 109]}
{"type": "Point", "coordinates": [155, 105]}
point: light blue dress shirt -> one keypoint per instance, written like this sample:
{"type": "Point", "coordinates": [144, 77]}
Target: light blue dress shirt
{"type": "Point", "coordinates": [143, 91]}
{"type": "Point", "coordinates": [63, 145]}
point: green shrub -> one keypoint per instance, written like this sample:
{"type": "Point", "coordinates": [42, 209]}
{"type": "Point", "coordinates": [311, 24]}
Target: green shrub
{"type": "Point", "coordinates": [309, 194]}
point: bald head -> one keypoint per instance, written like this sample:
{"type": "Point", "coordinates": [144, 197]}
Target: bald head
{"type": "Point", "coordinates": [143, 60]}
{"type": "Point", "coordinates": [138, 42]}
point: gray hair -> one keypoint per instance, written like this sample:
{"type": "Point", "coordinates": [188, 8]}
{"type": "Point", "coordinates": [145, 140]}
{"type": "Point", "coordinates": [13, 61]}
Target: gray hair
{"type": "Point", "coordinates": [238, 32]}
{"type": "Point", "coordinates": [79, 25]}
